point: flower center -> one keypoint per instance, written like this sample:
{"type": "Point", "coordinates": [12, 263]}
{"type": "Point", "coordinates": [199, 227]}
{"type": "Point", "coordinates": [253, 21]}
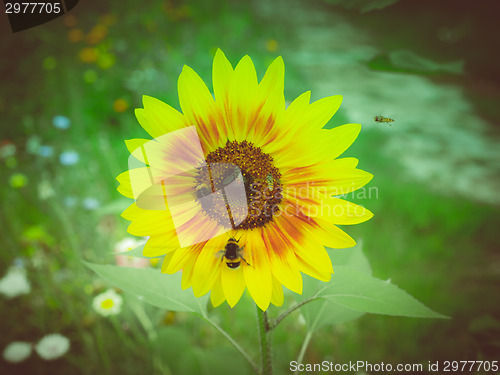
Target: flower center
{"type": "Point", "coordinates": [107, 304]}
{"type": "Point", "coordinates": [260, 177]}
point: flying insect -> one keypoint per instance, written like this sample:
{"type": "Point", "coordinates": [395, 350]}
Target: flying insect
{"type": "Point", "coordinates": [270, 181]}
{"type": "Point", "coordinates": [232, 252]}
{"type": "Point", "coordinates": [383, 119]}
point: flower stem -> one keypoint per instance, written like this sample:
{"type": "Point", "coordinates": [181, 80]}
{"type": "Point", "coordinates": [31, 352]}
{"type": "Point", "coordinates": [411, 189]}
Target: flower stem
{"type": "Point", "coordinates": [291, 310]}
{"type": "Point", "coordinates": [141, 315]}
{"type": "Point", "coordinates": [305, 344]}
{"type": "Point", "coordinates": [265, 342]}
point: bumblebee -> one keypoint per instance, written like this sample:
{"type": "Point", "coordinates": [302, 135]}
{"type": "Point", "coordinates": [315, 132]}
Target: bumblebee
{"type": "Point", "coordinates": [232, 253]}
{"type": "Point", "coordinates": [383, 119]}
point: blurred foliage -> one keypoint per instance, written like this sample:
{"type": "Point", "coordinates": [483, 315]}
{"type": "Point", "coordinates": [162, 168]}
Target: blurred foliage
{"type": "Point", "coordinates": [363, 5]}
{"type": "Point", "coordinates": [407, 61]}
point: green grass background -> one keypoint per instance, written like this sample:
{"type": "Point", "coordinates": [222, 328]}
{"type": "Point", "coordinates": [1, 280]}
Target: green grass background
{"type": "Point", "coordinates": [438, 244]}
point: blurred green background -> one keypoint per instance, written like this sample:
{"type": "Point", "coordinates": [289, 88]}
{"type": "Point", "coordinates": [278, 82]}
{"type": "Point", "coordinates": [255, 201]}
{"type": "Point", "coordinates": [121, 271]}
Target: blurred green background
{"type": "Point", "coordinates": [67, 96]}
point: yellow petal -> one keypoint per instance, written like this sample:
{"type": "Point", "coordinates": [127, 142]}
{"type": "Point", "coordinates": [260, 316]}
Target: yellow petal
{"type": "Point", "coordinates": [344, 163]}
{"type": "Point", "coordinates": [133, 144]}
{"type": "Point", "coordinates": [199, 108]}
{"type": "Point", "coordinates": [277, 294]}
{"type": "Point", "coordinates": [315, 255]}
{"type": "Point", "coordinates": [295, 233]}
{"type": "Point", "coordinates": [134, 182]}
{"type": "Point", "coordinates": [284, 264]}
{"type": "Point", "coordinates": [312, 204]}
{"type": "Point", "coordinates": [131, 212]}
{"type": "Point", "coordinates": [208, 266]}
{"type": "Point", "coordinates": [271, 94]}
{"type": "Point", "coordinates": [321, 111]}
{"type": "Point", "coordinates": [158, 118]}
{"type": "Point", "coordinates": [304, 136]}
{"type": "Point", "coordinates": [342, 212]}
{"type": "Point", "coordinates": [306, 268]}
{"type": "Point", "coordinates": [319, 174]}
{"type": "Point", "coordinates": [233, 283]}
{"type": "Point", "coordinates": [166, 261]}
{"type": "Point", "coordinates": [242, 100]}
{"type": "Point", "coordinates": [161, 244]}
{"type": "Point", "coordinates": [341, 138]}
{"type": "Point", "coordinates": [145, 151]}
{"type": "Point", "coordinates": [221, 77]}
{"type": "Point", "coordinates": [217, 294]}
{"type": "Point", "coordinates": [348, 182]}
{"type": "Point", "coordinates": [151, 223]}
{"type": "Point", "coordinates": [187, 272]}
{"type": "Point", "coordinates": [258, 276]}
{"type": "Point", "coordinates": [296, 112]}
{"type": "Point", "coordinates": [125, 187]}
{"type": "Point", "coordinates": [286, 270]}
{"type": "Point", "coordinates": [300, 151]}
{"type": "Point", "coordinates": [182, 257]}
{"type": "Point", "coordinates": [306, 183]}
{"type": "Point", "coordinates": [292, 121]}
{"type": "Point", "coordinates": [330, 235]}
{"type": "Point", "coordinates": [308, 148]}
{"type": "Point", "coordinates": [273, 83]}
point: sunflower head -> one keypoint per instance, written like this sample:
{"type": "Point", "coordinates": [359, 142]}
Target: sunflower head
{"type": "Point", "coordinates": [239, 191]}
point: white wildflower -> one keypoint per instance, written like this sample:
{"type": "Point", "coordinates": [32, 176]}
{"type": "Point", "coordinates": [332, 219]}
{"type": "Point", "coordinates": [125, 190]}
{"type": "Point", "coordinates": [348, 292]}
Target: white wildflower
{"type": "Point", "coordinates": [108, 303]}
{"type": "Point", "coordinates": [17, 351]}
{"type": "Point", "coordinates": [14, 283]}
{"type": "Point", "coordinates": [52, 346]}
{"type": "Point", "coordinates": [128, 243]}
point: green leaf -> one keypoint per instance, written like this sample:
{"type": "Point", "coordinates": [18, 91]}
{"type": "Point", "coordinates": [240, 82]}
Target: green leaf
{"type": "Point", "coordinates": [361, 292]}
{"type": "Point", "coordinates": [158, 289]}
{"type": "Point", "coordinates": [352, 291]}
{"type": "Point", "coordinates": [353, 257]}
{"type": "Point", "coordinates": [114, 207]}
{"type": "Point", "coordinates": [136, 252]}
{"type": "Point", "coordinates": [322, 312]}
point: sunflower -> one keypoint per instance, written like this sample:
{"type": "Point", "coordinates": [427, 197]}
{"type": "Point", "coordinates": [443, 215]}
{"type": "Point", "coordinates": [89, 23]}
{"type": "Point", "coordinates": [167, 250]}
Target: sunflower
{"type": "Point", "coordinates": [284, 164]}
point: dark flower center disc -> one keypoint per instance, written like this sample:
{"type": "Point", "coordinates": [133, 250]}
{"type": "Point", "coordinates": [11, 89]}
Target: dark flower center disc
{"type": "Point", "coordinates": [261, 179]}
